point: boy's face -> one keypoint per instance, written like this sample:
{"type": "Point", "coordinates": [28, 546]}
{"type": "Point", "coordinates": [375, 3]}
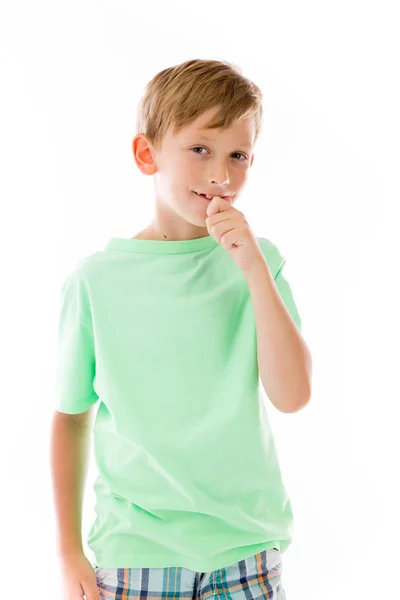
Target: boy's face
{"type": "Point", "coordinates": [210, 161]}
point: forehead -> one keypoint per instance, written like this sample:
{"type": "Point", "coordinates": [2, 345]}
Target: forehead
{"type": "Point", "coordinates": [241, 132]}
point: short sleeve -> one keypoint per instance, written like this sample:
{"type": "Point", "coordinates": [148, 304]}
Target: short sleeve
{"type": "Point", "coordinates": [76, 364]}
{"type": "Point", "coordinates": [276, 263]}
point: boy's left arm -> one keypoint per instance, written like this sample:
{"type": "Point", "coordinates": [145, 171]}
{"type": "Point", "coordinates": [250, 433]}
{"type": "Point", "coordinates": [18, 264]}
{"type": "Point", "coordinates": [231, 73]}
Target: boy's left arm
{"type": "Point", "coordinates": [284, 359]}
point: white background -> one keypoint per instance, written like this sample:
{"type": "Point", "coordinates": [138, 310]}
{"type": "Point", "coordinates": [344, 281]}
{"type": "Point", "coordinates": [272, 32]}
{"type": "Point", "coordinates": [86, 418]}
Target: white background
{"type": "Point", "coordinates": [323, 187]}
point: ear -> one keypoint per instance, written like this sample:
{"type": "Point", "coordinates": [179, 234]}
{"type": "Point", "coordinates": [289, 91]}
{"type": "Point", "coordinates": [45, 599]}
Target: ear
{"type": "Point", "coordinates": [143, 155]}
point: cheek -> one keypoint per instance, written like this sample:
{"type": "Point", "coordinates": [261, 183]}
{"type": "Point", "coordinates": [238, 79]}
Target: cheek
{"type": "Point", "coordinates": [190, 168]}
{"type": "Point", "coordinates": [181, 177]}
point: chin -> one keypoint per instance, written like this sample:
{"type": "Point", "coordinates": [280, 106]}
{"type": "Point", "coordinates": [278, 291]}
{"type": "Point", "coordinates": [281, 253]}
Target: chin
{"type": "Point", "coordinates": [196, 220]}
{"type": "Point", "coordinates": [200, 222]}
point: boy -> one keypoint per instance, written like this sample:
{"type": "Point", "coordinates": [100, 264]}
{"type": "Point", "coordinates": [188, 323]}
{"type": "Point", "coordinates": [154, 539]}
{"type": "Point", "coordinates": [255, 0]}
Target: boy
{"type": "Point", "coordinates": [173, 330]}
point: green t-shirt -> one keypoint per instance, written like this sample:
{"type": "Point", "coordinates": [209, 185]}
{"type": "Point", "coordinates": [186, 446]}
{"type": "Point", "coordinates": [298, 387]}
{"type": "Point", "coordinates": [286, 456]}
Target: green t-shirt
{"type": "Point", "coordinates": [163, 333]}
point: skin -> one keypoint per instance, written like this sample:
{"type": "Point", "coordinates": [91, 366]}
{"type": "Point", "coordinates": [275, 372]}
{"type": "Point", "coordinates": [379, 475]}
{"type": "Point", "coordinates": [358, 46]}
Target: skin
{"type": "Point", "coordinates": [219, 165]}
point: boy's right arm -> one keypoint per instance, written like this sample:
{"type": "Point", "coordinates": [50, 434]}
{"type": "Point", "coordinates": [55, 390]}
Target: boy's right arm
{"type": "Point", "coordinates": [70, 450]}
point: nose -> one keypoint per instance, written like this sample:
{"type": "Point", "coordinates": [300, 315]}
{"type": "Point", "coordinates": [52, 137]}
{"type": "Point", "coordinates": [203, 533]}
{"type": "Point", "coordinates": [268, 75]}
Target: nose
{"type": "Point", "coordinates": [220, 178]}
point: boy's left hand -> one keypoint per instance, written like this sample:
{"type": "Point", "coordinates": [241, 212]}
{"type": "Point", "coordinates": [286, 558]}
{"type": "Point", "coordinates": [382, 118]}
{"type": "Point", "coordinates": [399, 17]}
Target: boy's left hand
{"type": "Point", "coordinates": [231, 230]}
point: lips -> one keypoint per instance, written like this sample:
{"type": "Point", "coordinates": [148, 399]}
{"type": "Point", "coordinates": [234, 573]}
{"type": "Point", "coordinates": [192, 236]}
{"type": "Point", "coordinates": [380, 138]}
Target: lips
{"type": "Point", "coordinates": [202, 195]}
{"type": "Point", "coordinates": [213, 195]}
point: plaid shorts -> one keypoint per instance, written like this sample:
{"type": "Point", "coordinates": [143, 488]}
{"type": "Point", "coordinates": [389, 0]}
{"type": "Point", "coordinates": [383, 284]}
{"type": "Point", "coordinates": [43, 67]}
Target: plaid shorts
{"type": "Point", "coordinates": [258, 576]}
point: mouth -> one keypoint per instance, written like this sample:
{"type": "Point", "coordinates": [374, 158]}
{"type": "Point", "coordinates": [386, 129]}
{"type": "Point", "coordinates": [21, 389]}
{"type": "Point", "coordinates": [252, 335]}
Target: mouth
{"type": "Point", "coordinates": [209, 197]}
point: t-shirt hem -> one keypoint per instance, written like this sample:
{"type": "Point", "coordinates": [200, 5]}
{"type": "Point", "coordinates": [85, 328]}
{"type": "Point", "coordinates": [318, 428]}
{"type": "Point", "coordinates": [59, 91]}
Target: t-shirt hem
{"type": "Point", "coordinates": [158, 561]}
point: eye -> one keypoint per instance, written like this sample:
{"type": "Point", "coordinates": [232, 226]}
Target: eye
{"type": "Point", "coordinates": [198, 148]}
{"type": "Point", "coordinates": [203, 148]}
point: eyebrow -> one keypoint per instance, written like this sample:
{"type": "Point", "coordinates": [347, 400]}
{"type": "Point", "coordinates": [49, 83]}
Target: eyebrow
{"type": "Point", "coordinates": [207, 139]}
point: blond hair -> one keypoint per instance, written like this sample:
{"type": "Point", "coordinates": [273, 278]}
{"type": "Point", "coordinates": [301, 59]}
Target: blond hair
{"type": "Point", "coordinates": [178, 95]}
